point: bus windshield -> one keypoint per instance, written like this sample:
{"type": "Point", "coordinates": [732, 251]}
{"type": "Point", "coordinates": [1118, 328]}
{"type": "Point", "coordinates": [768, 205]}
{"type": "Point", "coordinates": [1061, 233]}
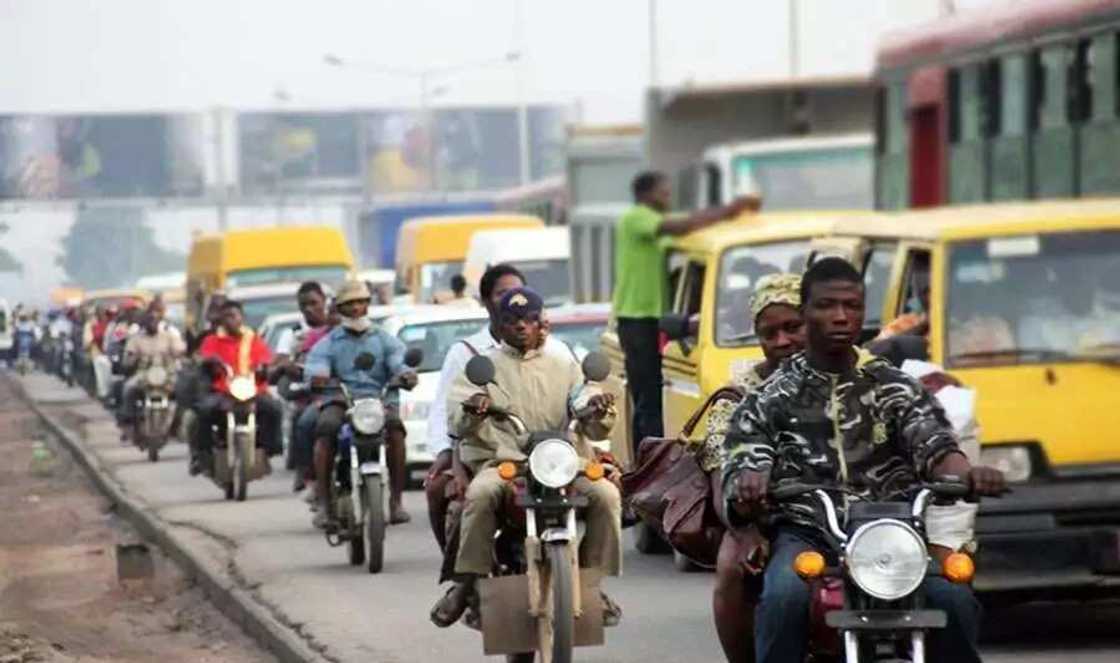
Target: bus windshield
{"type": "Point", "coordinates": [827, 178]}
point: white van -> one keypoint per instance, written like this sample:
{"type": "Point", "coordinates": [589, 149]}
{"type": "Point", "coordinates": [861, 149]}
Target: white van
{"type": "Point", "coordinates": [542, 254]}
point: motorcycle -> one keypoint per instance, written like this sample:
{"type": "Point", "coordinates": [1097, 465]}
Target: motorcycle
{"type": "Point", "coordinates": [866, 601]}
{"type": "Point", "coordinates": [236, 460]}
{"type": "Point", "coordinates": [534, 600]}
{"type": "Point", "coordinates": [154, 410]}
{"type": "Point", "coordinates": [362, 471]}
{"type": "Point", "coordinates": [25, 345]}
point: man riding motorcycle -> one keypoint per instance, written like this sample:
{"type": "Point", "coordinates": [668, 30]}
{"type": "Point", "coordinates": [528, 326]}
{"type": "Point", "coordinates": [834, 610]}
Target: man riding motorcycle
{"type": "Point", "coordinates": [824, 417]}
{"type": "Point", "coordinates": [334, 356]}
{"type": "Point", "coordinates": [494, 284]}
{"type": "Point", "coordinates": [153, 346]}
{"type": "Point", "coordinates": [544, 389]}
{"type": "Point", "coordinates": [241, 350]}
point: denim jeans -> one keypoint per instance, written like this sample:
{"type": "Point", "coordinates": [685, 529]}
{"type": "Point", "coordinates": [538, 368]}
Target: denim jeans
{"type": "Point", "coordinates": [782, 616]}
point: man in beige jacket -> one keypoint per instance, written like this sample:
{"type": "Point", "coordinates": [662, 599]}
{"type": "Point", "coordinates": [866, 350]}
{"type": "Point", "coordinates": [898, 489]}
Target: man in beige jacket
{"type": "Point", "coordinates": [543, 389]}
{"type": "Point", "coordinates": [153, 345]}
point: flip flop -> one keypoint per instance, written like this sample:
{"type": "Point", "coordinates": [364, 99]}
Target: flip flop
{"type": "Point", "coordinates": [450, 607]}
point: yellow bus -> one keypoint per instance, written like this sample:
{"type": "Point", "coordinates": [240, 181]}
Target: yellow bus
{"type": "Point", "coordinates": [262, 256]}
{"type": "Point", "coordinates": [432, 249]}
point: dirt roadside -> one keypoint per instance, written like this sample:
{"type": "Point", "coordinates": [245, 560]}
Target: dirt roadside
{"type": "Point", "coordinates": [60, 598]}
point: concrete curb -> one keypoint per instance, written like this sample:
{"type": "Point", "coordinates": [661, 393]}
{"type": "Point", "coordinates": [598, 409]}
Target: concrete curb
{"type": "Point", "coordinates": [235, 602]}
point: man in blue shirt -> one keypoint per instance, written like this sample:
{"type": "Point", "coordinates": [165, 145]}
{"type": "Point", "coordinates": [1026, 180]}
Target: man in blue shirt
{"type": "Point", "coordinates": [337, 356]}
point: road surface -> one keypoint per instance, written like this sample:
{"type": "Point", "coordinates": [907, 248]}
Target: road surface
{"type": "Point", "coordinates": [268, 544]}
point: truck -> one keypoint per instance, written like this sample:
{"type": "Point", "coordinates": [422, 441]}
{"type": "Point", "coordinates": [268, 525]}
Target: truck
{"type": "Point", "coordinates": [379, 225]}
{"type": "Point", "coordinates": [601, 163]}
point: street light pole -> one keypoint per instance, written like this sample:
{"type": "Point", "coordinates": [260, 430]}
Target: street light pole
{"type": "Point", "coordinates": [525, 170]}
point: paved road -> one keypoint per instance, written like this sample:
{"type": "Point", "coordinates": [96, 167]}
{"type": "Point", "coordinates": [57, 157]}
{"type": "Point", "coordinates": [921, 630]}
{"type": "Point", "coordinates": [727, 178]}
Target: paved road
{"type": "Point", "coordinates": [268, 544]}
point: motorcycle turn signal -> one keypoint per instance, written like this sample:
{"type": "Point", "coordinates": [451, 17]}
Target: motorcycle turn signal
{"type": "Point", "coordinates": [595, 471]}
{"type": "Point", "coordinates": [809, 565]}
{"type": "Point", "coordinates": [959, 568]}
{"type": "Point", "coordinates": [507, 471]}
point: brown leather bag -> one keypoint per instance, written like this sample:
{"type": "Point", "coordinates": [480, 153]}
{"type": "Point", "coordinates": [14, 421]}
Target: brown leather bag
{"type": "Point", "coordinates": [669, 492]}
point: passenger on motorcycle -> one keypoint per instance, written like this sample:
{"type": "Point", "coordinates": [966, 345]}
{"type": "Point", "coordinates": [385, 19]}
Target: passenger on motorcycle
{"type": "Point", "coordinates": [544, 389]}
{"type": "Point", "coordinates": [334, 356]}
{"type": "Point", "coordinates": [153, 346]}
{"type": "Point", "coordinates": [239, 348]}
{"type": "Point", "coordinates": [291, 354]}
{"type": "Point", "coordinates": [775, 309]}
{"type": "Point", "coordinates": [494, 284]}
{"type": "Point", "coordinates": [828, 417]}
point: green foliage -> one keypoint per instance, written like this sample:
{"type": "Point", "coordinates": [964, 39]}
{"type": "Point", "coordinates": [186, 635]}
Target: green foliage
{"type": "Point", "coordinates": [112, 247]}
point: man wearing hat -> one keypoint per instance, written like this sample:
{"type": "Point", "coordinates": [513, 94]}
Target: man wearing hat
{"type": "Point", "coordinates": [543, 389]}
{"type": "Point", "coordinates": [335, 356]}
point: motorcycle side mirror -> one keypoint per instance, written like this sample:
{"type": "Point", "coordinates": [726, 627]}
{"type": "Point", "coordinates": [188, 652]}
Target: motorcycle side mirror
{"type": "Point", "coordinates": [364, 361]}
{"type": "Point", "coordinates": [596, 367]}
{"type": "Point", "coordinates": [480, 371]}
{"type": "Point", "coordinates": [413, 357]}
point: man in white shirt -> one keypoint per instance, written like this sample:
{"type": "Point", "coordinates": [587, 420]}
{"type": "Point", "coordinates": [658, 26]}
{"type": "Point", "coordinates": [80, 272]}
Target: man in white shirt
{"type": "Point", "coordinates": [446, 478]}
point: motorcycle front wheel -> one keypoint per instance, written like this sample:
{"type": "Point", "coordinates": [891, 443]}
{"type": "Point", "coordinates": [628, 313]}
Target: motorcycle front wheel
{"type": "Point", "coordinates": [373, 534]}
{"type": "Point", "coordinates": [563, 611]}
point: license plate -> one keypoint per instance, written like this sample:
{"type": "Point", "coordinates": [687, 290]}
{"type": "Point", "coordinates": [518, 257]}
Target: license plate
{"type": "Point", "coordinates": [370, 468]}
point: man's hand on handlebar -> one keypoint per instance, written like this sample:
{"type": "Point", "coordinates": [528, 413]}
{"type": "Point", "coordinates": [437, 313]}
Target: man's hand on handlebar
{"type": "Point", "coordinates": [987, 481]}
{"type": "Point", "coordinates": [751, 487]}
{"type": "Point", "coordinates": [600, 405]}
{"type": "Point", "coordinates": [408, 380]}
{"type": "Point", "coordinates": [478, 405]}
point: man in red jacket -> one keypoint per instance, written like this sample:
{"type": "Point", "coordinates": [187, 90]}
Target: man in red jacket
{"type": "Point", "coordinates": [234, 347]}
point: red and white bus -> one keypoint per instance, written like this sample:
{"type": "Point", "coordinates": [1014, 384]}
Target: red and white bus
{"type": "Point", "coordinates": [1016, 101]}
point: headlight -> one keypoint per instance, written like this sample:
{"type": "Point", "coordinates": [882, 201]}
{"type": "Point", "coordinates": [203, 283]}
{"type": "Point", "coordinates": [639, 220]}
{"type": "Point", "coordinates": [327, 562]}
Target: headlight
{"type": "Point", "coordinates": [243, 388]}
{"type": "Point", "coordinates": [368, 416]}
{"type": "Point", "coordinates": [554, 463]}
{"type": "Point", "coordinates": [1013, 461]}
{"type": "Point", "coordinates": [887, 559]}
{"type": "Point", "coordinates": [156, 376]}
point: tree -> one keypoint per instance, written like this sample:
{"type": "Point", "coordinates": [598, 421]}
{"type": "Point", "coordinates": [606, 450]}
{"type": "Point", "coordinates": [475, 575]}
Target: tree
{"type": "Point", "coordinates": [8, 262]}
{"type": "Point", "coordinates": [111, 247]}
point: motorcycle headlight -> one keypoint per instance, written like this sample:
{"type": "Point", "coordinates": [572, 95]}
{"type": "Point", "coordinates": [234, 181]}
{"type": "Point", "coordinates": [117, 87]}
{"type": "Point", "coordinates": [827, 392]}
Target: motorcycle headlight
{"type": "Point", "coordinates": [243, 388]}
{"type": "Point", "coordinates": [368, 416]}
{"type": "Point", "coordinates": [554, 463]}
{"type": "Point", "coordinates": [1013, 461]}
{"type": "Point", "coordinates": [887, 559]}
{"type": "Point", "coordinates": [156, 376]}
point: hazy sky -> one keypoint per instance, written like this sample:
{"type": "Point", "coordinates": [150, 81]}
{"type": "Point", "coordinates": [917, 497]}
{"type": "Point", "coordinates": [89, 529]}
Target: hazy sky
{"type": "Point", "coordinates": [98, 55]}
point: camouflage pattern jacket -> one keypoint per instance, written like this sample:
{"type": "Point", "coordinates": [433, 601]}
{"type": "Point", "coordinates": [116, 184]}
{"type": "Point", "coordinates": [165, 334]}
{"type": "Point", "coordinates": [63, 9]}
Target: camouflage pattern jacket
{"type": "Point", "coordinates": [874, 430]}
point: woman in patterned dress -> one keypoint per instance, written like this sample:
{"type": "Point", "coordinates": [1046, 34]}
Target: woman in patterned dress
{"type": "Point", "coordinates": [775, 308]}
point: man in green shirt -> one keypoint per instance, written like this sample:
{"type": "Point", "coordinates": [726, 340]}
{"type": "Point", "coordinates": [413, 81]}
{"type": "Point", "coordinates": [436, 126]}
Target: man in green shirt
{"type": "Point", "coordinates": [640, 287]}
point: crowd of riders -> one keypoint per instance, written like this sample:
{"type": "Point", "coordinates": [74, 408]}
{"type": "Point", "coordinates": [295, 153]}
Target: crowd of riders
{"type": "Point", "coordinates": [818, 409]}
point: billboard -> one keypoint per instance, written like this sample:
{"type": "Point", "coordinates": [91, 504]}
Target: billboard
{"type": "Point", "coordinates": [100, 156]}
{"type": "Point", "coordinates": [396, 151]}
{"type": "Point", "coordinates": [299, 152]}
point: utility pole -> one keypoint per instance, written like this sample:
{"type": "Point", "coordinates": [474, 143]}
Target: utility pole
{"type": "Point", "coordinates": [525, 170]}
{"type": "Point", "coordinates": [794, 40]}
{"type": "Point", "coordinates": [653, 73]}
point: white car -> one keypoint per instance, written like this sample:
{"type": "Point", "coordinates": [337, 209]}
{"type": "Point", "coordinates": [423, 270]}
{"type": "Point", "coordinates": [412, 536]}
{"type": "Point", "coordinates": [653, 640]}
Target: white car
{"type": "Point", "coordinates": [433, 329]}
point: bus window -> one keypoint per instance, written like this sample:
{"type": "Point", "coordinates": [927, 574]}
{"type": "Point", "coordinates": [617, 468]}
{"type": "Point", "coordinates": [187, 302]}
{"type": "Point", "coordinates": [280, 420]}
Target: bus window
{"type": "Point", "coordinates": [1013, 96]}
{"type": "Point", "coordinates": [991, 95]}
{"type": "Point", "coordinates": [1079, 100]}
{"type": "Point", "coordinates": [1049, 108]}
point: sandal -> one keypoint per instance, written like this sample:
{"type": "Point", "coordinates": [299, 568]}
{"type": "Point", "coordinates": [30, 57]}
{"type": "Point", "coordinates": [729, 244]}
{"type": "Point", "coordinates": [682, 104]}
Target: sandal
{"type": "Point", "coordinates": [451, 606]}
{"type": "Point", "coordinates": [398, 516]}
